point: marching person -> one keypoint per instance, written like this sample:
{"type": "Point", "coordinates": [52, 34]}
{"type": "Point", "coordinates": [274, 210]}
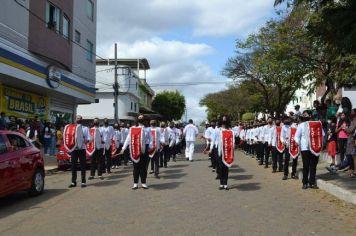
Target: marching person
{"type": "Point", "coordinates": [79, 136]}
{"type": "Point", "coordinates": [164, 153]}
{"type": "Point", "coordinates": [154, 154]}
{"type": "Point", "coordinates": [95, 150]}
{"type": "Point", "coordinates": [309, 137]}
{"type": "Point", "coordinates": [108, 135]}
{"type": "Point", "coordinates": [124, 132]}
{"type": "Point", "coordinates": [139, 140]}
{"type": "Point", "coordinates": [277, 148]}
{"type": "Point", "coordinates": [225, 140]}
{"type": "Point", "coordinates": [285, 135]}
{"type": "Point", "coordinates": [172, 140]}
{"type": "Point", "coordinates": [190, 132]}
{"type": "Point", "coordinates": [178, 142]}
{"type": "Point", "coordinates": [268, 131]}
{"type": "Point", "coordinates": [117, 139]}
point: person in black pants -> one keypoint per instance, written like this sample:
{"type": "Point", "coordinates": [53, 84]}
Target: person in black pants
{"type": "Point", "coordinates": [156, 155]}
{"type": "Point", "coordinates": [277, 156]}
{"type": "Point", "coordinates": [310, 163]}
{"type": "Point", "coordinates": [96, 158]}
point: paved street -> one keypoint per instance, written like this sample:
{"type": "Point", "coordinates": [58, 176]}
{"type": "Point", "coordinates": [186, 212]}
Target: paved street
{"type": "Point", "coordinates": [185, 201]}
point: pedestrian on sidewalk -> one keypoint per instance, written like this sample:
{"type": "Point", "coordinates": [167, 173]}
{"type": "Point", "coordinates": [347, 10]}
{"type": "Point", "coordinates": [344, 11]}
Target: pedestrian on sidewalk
{"type": "Point", "coordinates": [139, 140]}
{"type": "Point", "coordinates": [309, 137]}
{"type": "Point", "coordinates": [190, 132]}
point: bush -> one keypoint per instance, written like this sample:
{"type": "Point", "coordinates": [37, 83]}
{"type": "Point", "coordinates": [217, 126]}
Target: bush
{"type": "Point", "coordinates": [248, 116]}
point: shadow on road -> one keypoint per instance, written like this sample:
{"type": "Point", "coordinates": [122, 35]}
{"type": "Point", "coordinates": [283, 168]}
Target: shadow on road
{"type": "Point", "coordinates": [104, 183]}
{"type": "Point", "coordinates": [179, 166]}
{"type": "Point", "coordinates": [21, 201]}
{"type": "Point", "coordinates": [246, 187]}
{"type": "Point", "coordinates": [237, 170]}
{"type": "Point", "coordinates": [241, 177]}
{"type": "Point", "coordinates": [117, 176]}
{"type": "Point", "coordinates": [171, 171]}
{"type": "Point", "coordinates": [173, 176]}
{"type": "Point", "coordinates": [165, 186]}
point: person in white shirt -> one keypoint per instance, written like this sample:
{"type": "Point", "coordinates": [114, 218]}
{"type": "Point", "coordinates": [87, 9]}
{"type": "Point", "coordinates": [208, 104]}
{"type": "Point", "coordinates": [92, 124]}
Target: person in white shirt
{"type": "Point", "coordinates": [97, 158]}
{"type": "Point", "coordinates": [80, 153]}
{"type": "Point", "coordinates": [259, 137]}
{"type": "Point", "coordinates": [124, 132]}
{"type": "Point", "coordinates": [164, 153]}
{"type": "Point", "coordinates": [108, 135]}
{"type": "Point", "coordinates": [267, 133]}
{"type": "Point", "coordinates": [117, 139]}
{"type": "Point", "coordinates": [277, 157]}
{"type": "Point", "coordinates": [172, 141]}
{"type": "Point", "coordinates": [155, 152]}
{"type": "Point", "coordinates": [140, 166]}
{"type": "Point", "coordinates": [310, 161]}
{"type": "Point", "coordinates": [236, 130]}
{"type": "Point", "coordinates": [190, 132]}
{"type": "Point", "coordinates": [287, 124]}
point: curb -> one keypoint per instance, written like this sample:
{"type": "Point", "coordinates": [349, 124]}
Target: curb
{"type": "Point", "coordinates": [330, 188]}
{"type": "Point", "coordinates": [51, 171]}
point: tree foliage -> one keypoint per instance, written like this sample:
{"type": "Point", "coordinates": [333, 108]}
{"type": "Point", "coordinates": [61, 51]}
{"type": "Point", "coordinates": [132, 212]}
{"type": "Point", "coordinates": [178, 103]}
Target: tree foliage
{"type": "Point", "coordinates": [170, 104]}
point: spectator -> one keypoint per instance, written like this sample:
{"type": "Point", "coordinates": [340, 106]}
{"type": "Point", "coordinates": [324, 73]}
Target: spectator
{"type": "Point", "coordinates": [52, 150]}
{"type": "Point", "coordinates": [3, 121]}
{"type": "Point", "coordinates": [297, 111]}
{"type": "Point", "coordinates": [342, 135]}
{"type": "Point", "coordinates": [332, 139]}
{"type": "Point", "coordinates": [47, 138]}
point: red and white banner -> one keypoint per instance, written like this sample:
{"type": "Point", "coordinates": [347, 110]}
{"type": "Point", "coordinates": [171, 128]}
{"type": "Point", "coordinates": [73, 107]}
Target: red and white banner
{"type": "Point", "coordinates": [315, 137]}
{"type": "Point", "coordinates": [228, 145]}
{"type": "Point", "coordinates": [293, 146]}
{"type": "Point", "coordinates": [152, 151]}
{"type": "Point", "coordinates": [70, 134]}
{"type": "Point", "coordinates": [113, 148]}
{"type": "Point", "coordinates": [91, 145]}
{"type": "Point", "coordinates": [279, 145]}
{"type": "Point", "coordinates": [136, 134]}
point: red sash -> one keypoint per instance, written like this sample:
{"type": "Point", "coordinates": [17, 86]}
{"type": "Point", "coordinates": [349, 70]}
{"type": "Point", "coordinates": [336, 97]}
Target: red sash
{"type": "Point", "coordinates": [91, 144]}
{"type": "Point", "coordinates": [152, 152]}
{"type": "Point", "coordinates": [70, 137]}
{"type": "Point", "coordinates": [113, 148]}
{"type": "Point", "coordinates": [293, 146]}
{"type": "Point", "coordinates": [315, 137]}
{"type": "Point", "coordinates": [279, 145]}
{"type": "Point", "coordinates": [136, 143]}
{"type": "Point", "coordinates": [227, 141]}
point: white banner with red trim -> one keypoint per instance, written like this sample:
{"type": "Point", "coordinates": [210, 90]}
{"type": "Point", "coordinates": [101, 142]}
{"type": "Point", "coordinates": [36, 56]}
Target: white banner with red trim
{"type": "Point", "coordinates": [91, 145]}
{"type": "Point", "coordinates": [153, 150]}
{"type": "Point", "coordinates": [227, 141]}
{"type": "Point", "coordinates": [70, 137]}
{"type": "Point", "coordinates": [293, 146]}
{"type": "Point", "coordinates": [315, 137]}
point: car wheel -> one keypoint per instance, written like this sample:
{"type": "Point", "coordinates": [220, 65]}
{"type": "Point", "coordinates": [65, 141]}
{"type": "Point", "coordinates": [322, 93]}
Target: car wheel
{"type": "Point", "coordinates": [37, 185]}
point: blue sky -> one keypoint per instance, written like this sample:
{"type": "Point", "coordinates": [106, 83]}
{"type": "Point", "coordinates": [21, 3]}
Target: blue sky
{"type": "Point", "coordinates": [183, 40]}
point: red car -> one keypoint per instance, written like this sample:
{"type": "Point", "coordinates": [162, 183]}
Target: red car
{"type": "Point", "coordinates": [21, 165]}
{"type": "Point", "coordinates": [63, 158]}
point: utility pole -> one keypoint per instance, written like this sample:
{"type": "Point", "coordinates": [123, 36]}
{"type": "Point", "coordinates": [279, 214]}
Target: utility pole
{"type": "Point", "coordinates": [116, 89]}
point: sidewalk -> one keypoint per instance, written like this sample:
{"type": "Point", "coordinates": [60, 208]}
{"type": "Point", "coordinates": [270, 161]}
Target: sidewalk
{"type": "Point", "coordinates": [339, 184]}
{"type": "Point", "coordinates": [50, 163]}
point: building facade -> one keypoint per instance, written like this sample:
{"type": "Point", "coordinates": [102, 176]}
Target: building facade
{"type": "Point", "coordinates": [44, 72]}
{"type": "Point", "coordinates": [131, 95]}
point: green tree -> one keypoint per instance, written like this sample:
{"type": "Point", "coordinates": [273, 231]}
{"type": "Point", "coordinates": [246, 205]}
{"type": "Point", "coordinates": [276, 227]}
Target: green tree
{"type": "Point", "coordinates": [170, 104]}
{"type": "Point", "coordinates": [248, 116]}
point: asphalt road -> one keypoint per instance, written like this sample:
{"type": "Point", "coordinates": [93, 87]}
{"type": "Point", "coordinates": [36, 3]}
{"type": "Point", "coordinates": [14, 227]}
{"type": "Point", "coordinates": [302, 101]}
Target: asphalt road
{"type": "Point", "coordinates": [185, 201]}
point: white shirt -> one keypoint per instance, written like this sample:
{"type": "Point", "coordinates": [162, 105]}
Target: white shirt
{"type": "Point", "coordinates": [236, 130]}
{"type": "Point", "coordinates": [302, 136]}
{"type": "Point", "coordinates": [124, 133]}
{"type": "Point", "coordinates": [86, 137]}
{"type": "Point", "coordinates": [171, 136]}
{"type": "Point", "coordinates": [190, 132]}
{"type": "Point", "coordinates": [147, 138]}
{"type": "Point", "coordinates": [214, 138]}
{"type": "Point", "coordinates": [158, 137]}
{"type": "Point", "coordinates": [108, 134]}
{"type": "Point", "coordinates": [178, 135]}
{"type": "Point", "coordinates": [117, 137]}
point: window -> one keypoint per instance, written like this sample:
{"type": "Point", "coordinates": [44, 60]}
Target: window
{"type": "Point", "coordinates": [89, 51]}
{"type": "Point", "coordinates": [3, 148]}
{"type": "Point", "coordinates": [53, 17]}
{"type": "Point", "coordinates": [77, 36]}
{"type": "Point", "coordinates": [131, 106]}
{"type": "Point", "coordinates": [17, 142]}
{"type": "Point", "coordinates": [90, 10]}
{"type": "Point", "coordinates": [65, 27]}
{"type": "Point", "coordinates": [135, 107]}
{"type": "Point", "coordinates": [136, 85]}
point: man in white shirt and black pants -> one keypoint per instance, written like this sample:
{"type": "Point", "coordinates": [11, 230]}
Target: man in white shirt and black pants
{"type": "Point", "coordinates": [80, 153]}
{"type": "Point", "coordinates": [108, 134]}
{"type": "Point", "coordinates": [190, 132]}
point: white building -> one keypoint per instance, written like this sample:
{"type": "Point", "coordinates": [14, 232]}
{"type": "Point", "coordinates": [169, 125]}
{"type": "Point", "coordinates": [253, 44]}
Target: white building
{"type": "Point", "coordinates": [129, 96]}
{"type": "Point", "coordinates": [43, 72]}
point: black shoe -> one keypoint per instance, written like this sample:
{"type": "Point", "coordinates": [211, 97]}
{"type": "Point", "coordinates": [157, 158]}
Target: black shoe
{"type": "Point", "coordinates": [266, 167]}
{"type": "Point", "coordinates": [294, 177]}
{"type": "Point", "coordinates": [261, 164]}
{"type": "Point", "coordinates": [157, 177]}
{"type": "Point", "coordinates": [151, 172]}
{"type": "Point", "coordinates": [280, 170]}
{"type": "Point", "coordinates": [274, 171]}
{"type": "Point", "coordinates": [101, 177]}
{"type": "Point", "coordinates": [221, 187]}
{"type": "Point", "coordinates": [84, 185]}
{"type": "Point", "coordinates": [313, 186]}
{"type": "Point", "coordinates": [72, 185]}
{"type": "Point", "coordinates": [165, 166]}
{"type": "Point", "coordinates": [210, 166]}
{"type": "Point", "coordinates": [217, 177]}
{"type": "Point", "coordinates": [285, 177]}
{"type": "Point", "coordinates": [125, 164]}
{"type": "Point", "coordinates": [305, 186]}
{"type": "Point", "coordinates": [174, 159]}
{"type": "Point", "coordinates": [227, 188]}
{"type": "Point", "coordinates": [109, 172]}
{"type": "Point", "coordinates": [91, 177]}
{"type": "Point", "coordinates": [213, 170]}
{"type": "Point", "coordinates": [187, 159]}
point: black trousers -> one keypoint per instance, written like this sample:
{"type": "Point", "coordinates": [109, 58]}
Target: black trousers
{"type": "Point", "coordinates": [108, 163]}
{"type": "Point", "coordinates": [342, 143]}
{"type": "Point", "coordinates": [171, 151]}
{"type": "Point", "coordinates": [286, 161]}
{"type": "Point", "coordinates": [267, 152]}
{"type": "Point", "coordinates": [126, 156]}
{"type": "Point", "coordinates": [277, 157]}
{"type": "Point", "coordinates": [310, 162]}
{"type": "Point", "coordinates": [294, 166]}
{"type": "Point", "coordinates": [223, 171]}
{"type": "Point", "coordinates": [75, 155]}
{"type": "Point", "coordinates": [140, 168]}
{"type": "Point", "coordinates": [214, 157]}
{"type": "Point", "coordinates": [259, 151]}
{"type": "Point", "coordinates": [164, 156]}
{"type": "Point", "coordinates": [116, 160]}
{"type": "Point", "coordinates": [97, 161]}
{"type": "Point", "coordinates": [155, 163]}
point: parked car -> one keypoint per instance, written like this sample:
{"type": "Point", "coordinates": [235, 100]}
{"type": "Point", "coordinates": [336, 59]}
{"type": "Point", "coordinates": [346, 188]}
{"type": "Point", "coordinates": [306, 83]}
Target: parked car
{"type": "Point", "coordinates": [64, 160]}
{"type": "Point", "coordinates": [21, 165]}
